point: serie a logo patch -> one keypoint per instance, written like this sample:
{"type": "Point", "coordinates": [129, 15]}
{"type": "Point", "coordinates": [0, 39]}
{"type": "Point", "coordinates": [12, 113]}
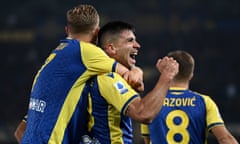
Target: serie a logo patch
{"type": "Point", "coordinates": [120, 87]}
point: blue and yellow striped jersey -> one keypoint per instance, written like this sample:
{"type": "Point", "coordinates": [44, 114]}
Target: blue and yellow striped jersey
{"type": "Point", "coordinates": [59, 92]}
{"type": "Point", "coordinates": [110, 96]}
{"type": "Point", "coordinates": [186, 117]}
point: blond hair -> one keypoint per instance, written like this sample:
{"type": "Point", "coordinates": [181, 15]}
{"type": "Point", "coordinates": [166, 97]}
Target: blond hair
{"type": "Point", "coordinates": [82, 19]}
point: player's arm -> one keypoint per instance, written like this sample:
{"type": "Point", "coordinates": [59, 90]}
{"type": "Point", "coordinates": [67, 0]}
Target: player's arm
{"type": "Point", "coordinates": [216, 124]}
{"type": "Point", "coordinates": [98, 62]}
{"type": "Point", "coordinates": [223, 135]}
{"type": "Point", "coordinates": [145, 109]}
{"type": "Point", "coordinates": [20, 130]}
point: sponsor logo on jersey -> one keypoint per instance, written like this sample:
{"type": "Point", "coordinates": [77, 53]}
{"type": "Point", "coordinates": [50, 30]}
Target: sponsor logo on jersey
{"type": "Point", "coordinates": [37, 105]}
{"type": "Point", "coordinates": [120, 87]}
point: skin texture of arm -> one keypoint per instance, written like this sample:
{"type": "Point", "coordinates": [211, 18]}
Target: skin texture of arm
{"type": "Point", "coordinates": [145, 109]}
{"type": "Point", "coordinates": [20, 130]}
{"type": "Point", "coordinates": [223, 135]}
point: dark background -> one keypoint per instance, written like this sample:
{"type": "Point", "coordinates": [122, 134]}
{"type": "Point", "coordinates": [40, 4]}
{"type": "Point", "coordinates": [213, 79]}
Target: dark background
{"type": "Point", "coordinates": [208, 29]}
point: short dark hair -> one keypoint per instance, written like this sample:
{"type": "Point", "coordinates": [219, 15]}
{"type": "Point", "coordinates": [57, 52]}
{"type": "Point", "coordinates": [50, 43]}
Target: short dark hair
{"type": "Point", "coordinates": [186, 64]}
{"type": "Point", "coordinates": [82, 18]}
{"type": "Point", "coordinates": [111, 29]}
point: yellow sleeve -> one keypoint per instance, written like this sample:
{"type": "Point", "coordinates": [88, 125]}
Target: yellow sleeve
{"type": "Point", "coordinates": [116, 91]}
{"type": "Point", "coordinates": [96, 60]}
{"type": "Point", "coordinates": [213, 116]}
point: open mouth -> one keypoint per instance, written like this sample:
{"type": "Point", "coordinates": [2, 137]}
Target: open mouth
{"type": "Point", "coordinates": [133, 55]}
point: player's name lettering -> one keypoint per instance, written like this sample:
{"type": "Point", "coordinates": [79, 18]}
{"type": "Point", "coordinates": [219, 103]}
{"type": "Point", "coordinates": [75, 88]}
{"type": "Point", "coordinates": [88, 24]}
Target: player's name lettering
{"type": "Point", "coordinates": [37, 105]}
{"type": "Point", "coordinates": [171, 102]}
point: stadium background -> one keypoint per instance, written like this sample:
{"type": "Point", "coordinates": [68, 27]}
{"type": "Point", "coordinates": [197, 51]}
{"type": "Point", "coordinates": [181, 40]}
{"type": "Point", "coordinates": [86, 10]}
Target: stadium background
{"type": "Point", "coordinates": [209, 30]}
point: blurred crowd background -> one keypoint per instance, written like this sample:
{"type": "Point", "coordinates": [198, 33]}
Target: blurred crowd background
{"type": "Point", "coordinates": [209, 30]}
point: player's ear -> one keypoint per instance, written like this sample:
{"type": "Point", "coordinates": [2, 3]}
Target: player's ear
{"type": "Point", "coordinates": [66, 30]}
{"type": "Point", "coordinates": [96, 31]}
{"type": "Point", "coordinates": [191, 76]}
{"type": "Point", "coordinates": [110, 49]}
{"type": "Point", "coordinates": [95, 35]}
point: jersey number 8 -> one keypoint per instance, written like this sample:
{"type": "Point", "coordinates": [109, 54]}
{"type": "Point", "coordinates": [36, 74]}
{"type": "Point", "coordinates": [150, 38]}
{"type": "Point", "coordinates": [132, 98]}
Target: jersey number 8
{"type": "Point", "coordinates": [177, 121]}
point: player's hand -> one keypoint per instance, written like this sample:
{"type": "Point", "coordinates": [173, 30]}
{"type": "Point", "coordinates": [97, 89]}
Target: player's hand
{"type": "Point", "coordinates": [139, 86]}
{"type": "Point", "coordinates": [135, 78]}
{"type": "Point", "coordinates": [168, 67]}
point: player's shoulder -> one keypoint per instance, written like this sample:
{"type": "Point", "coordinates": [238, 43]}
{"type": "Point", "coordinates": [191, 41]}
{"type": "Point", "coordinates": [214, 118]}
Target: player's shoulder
{"type": "Point", "coordinates": [82, 44]}
{"type": "Point", "coordinates": [113, 80]}
{"type": "Point", "coordinates": [203, 96]}
{"type": "Point", "coordinates": [109, 79]}
{"type": "Point", "coordinates": [110, 76]}
{"type": "Point", "coordinates": [87, 45]}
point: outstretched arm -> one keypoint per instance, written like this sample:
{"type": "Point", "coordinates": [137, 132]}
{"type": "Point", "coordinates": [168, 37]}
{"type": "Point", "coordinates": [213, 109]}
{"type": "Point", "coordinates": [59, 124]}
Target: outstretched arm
{"type": "Point", "coordinates": [146, 108]}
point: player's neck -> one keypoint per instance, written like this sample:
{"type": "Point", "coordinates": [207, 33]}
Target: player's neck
{"type": "Point", "coordinates": [180, 84]}
{"type": "Point", "coordinates": [81, 37]}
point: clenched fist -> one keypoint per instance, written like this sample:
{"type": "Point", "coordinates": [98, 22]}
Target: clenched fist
{"type": "Point", "coordinates": [168, 67]}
